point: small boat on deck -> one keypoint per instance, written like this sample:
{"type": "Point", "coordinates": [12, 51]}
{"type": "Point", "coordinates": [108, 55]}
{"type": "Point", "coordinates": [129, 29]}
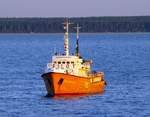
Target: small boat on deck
{"type": "Point", "coordinates": [70, 74]}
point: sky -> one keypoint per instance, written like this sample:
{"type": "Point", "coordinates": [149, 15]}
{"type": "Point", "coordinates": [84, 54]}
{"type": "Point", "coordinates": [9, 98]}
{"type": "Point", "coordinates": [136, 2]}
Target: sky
{"type": "Point", "coordinates": [73, 8]}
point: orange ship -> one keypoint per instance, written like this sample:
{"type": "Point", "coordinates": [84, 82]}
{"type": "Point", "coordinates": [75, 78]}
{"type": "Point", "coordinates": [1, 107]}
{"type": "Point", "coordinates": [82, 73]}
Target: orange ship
{"type": "Point", "coordinates": [70, 74]}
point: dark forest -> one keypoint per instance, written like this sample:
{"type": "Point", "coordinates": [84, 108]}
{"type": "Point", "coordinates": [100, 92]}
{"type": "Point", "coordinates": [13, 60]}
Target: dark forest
{"type": "Point", "coordinates": [88, 24]}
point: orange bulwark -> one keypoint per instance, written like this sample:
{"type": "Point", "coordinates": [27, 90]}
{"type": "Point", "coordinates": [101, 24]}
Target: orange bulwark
{"type": "Point", "coordinates": [65, 84]}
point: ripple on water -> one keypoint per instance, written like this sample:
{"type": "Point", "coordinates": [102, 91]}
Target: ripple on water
{"type": "Point", "coordinates": [123, 57]}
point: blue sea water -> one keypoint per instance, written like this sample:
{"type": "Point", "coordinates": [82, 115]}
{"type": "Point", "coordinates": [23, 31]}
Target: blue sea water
{"type": "Point", "coordinates": [124, 58]}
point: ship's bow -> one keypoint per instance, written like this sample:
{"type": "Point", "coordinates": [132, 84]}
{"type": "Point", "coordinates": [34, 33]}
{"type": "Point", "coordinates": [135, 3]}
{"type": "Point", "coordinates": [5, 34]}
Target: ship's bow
{"type": "Point", "coordinates": [48, 84]}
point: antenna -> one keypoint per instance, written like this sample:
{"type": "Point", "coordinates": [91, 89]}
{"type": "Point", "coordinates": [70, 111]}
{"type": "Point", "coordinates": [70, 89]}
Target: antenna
{"type": "Point", "coordinates": [77, 39]}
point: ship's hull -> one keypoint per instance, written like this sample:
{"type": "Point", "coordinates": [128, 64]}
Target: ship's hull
{"type": "Point", "coordinates": [65, 84]}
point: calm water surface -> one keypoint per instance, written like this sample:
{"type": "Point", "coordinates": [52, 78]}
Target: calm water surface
{"type": "Point", "coordinates": [125, 59]}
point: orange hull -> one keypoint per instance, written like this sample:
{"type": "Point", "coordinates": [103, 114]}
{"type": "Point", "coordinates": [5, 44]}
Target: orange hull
{"type": "Point", "coordinates": [61, 84]}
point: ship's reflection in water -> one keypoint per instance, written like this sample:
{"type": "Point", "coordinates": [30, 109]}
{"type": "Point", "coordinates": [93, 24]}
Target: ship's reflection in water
{"type": "Point", "coordinates": [74, 96]}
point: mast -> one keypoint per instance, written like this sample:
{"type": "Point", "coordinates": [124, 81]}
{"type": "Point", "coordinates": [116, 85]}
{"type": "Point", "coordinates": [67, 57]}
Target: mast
{"type": "Point", "coordinates": [66, 38]}
{"type": "Point", "coordinates": [77, 40]}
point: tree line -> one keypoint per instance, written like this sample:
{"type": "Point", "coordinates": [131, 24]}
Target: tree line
{"type": "Point", "coordinates": [88, 24]}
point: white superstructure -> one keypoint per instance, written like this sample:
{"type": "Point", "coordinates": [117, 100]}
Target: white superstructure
{"type": "Point", "coordinates": [70, 65]}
